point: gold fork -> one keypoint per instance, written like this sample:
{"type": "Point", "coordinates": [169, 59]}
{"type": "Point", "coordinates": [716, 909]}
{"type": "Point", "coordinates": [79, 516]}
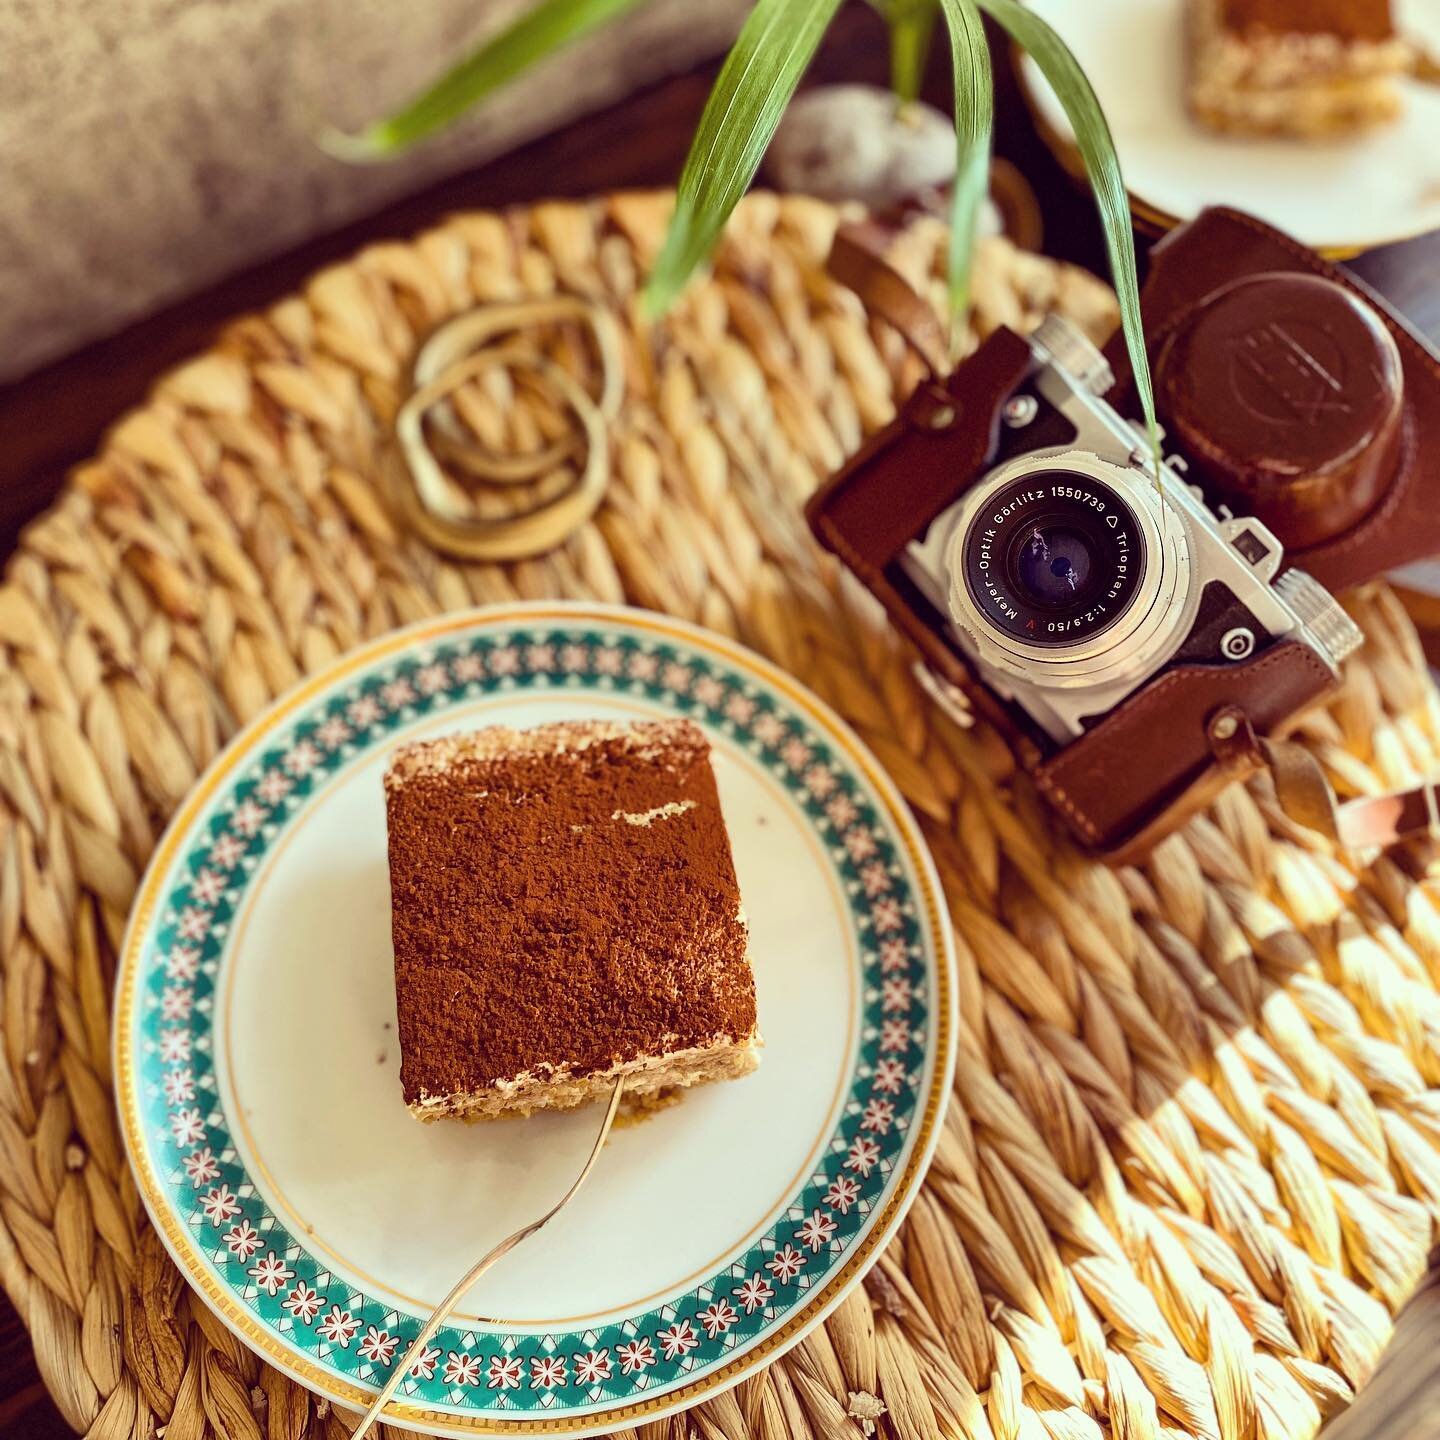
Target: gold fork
{"type": "Point", "coordinates": [443, 1311]}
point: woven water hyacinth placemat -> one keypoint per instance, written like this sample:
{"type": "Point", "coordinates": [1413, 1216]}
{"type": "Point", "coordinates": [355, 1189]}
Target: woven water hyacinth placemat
{"type": "Point", "coordinates": [1192, 1163]}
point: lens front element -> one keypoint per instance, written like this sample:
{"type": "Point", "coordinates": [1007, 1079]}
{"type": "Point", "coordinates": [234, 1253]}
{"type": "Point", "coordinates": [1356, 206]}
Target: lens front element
{"type": "Point", "coordinates": [1054, 558]}
{"type": "Point", "coordinates": [1052, 564]}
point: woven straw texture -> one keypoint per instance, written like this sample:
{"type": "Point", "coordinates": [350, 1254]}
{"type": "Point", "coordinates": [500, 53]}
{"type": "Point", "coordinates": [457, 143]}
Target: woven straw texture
{"type": "Point", "coordinates": [1192, 1162]}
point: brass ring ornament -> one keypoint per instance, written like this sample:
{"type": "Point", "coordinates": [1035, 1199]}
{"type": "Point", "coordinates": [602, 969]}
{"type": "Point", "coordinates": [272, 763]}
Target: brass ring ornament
{"type": "Point", "coordinates": [430, 503]}
{"type": "Point", "coordinates": [451, 358]}
{"type": "Point", "coordinates": [468, 333]}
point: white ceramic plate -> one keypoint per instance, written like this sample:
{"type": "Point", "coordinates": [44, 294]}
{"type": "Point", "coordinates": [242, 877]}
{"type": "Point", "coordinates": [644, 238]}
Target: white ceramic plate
{"type": "Point", "coordinates": [257, 1067]}
{"type": "Point", "coordinates": [1342, 196]}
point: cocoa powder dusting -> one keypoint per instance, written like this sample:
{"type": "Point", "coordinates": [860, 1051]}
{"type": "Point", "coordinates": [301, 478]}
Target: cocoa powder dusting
{"type": "Point", "coordinates": [1347, 20]}
{"type": "Point", "coordinates": [537, 926]}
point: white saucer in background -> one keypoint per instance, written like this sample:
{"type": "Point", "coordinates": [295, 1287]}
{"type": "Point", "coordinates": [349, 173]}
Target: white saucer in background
{"type": "Point", "coordinates": [1340, 197]}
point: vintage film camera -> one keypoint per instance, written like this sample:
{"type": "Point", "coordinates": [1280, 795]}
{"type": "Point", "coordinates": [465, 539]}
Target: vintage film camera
{"type": "Point", "coordinates": [1138, 638]}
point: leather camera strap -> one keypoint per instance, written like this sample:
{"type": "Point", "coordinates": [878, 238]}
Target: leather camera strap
{"type": "Point", "coordinates": [1370, 820]}
{"type": "Point", "coordinates": [1305, 795]}
{"type": "Point", "coordinates": [857, 260]}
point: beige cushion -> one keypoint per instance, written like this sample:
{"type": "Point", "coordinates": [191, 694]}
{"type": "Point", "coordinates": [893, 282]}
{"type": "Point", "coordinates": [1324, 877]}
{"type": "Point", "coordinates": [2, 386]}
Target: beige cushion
{"type": "Point", "coordinates": [154, 146]}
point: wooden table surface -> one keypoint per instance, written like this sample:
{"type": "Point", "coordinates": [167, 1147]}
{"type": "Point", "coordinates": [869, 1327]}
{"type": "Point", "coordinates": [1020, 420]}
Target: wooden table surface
{"type": "Point", "coordinates": [56, 417]}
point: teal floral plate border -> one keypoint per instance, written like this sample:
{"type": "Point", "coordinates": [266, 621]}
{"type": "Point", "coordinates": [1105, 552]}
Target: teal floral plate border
{"type": "Point", "coordinates": [277, 1294]}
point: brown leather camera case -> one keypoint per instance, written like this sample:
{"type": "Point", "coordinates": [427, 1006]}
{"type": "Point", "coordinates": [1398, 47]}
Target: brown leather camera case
{"type": "Point", "coordinates": [1376, 508]}
{"type": "Point", "coordinates": [1170, 747]}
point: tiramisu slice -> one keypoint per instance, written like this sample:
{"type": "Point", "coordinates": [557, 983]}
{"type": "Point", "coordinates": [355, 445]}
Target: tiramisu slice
{"type": "Point", "coordinates": [565, 910]}
{"type": "Point", "coordinates": [1309, 68]}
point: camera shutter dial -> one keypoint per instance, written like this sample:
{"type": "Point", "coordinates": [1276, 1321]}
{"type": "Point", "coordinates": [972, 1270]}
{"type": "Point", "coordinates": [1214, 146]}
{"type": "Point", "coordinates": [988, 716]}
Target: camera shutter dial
{"type": "Point", "coordinates": [1071, 350]}
{"type": "Point", "coordinates": [1334, 632]}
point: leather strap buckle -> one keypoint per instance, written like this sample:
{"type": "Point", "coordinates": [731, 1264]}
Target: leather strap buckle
{"type": "Point", "coordinates": [1233, 741]}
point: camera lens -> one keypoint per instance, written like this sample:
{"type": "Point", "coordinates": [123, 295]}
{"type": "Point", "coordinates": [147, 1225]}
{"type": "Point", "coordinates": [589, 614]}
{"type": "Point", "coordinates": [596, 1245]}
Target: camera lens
{"type": "Point", "coordinates": [1053, 563]}
{"type": "Point", "coordinates": [1054, 558]}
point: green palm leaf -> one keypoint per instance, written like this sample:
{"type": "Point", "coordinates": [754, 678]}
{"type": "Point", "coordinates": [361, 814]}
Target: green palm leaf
{"type": "Point", "coordinates": [911, 23]}
{"type": "Point", "coordinates": [1102, 166]}
{"type": "Point", "coordinates": [758, 78]}
{"type": "Point", "coordinates": [547, 28]}
{"type": "Point", "coordinates": [775, 45]}
{"type": "Point", "coordinates": [974, 116]}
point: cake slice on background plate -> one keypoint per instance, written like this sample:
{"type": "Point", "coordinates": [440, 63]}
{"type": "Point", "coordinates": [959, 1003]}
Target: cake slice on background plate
{"type": "Point", "coordinates": [565, 911]}
{"type": "Point", "coordinates": [1314, 69]}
